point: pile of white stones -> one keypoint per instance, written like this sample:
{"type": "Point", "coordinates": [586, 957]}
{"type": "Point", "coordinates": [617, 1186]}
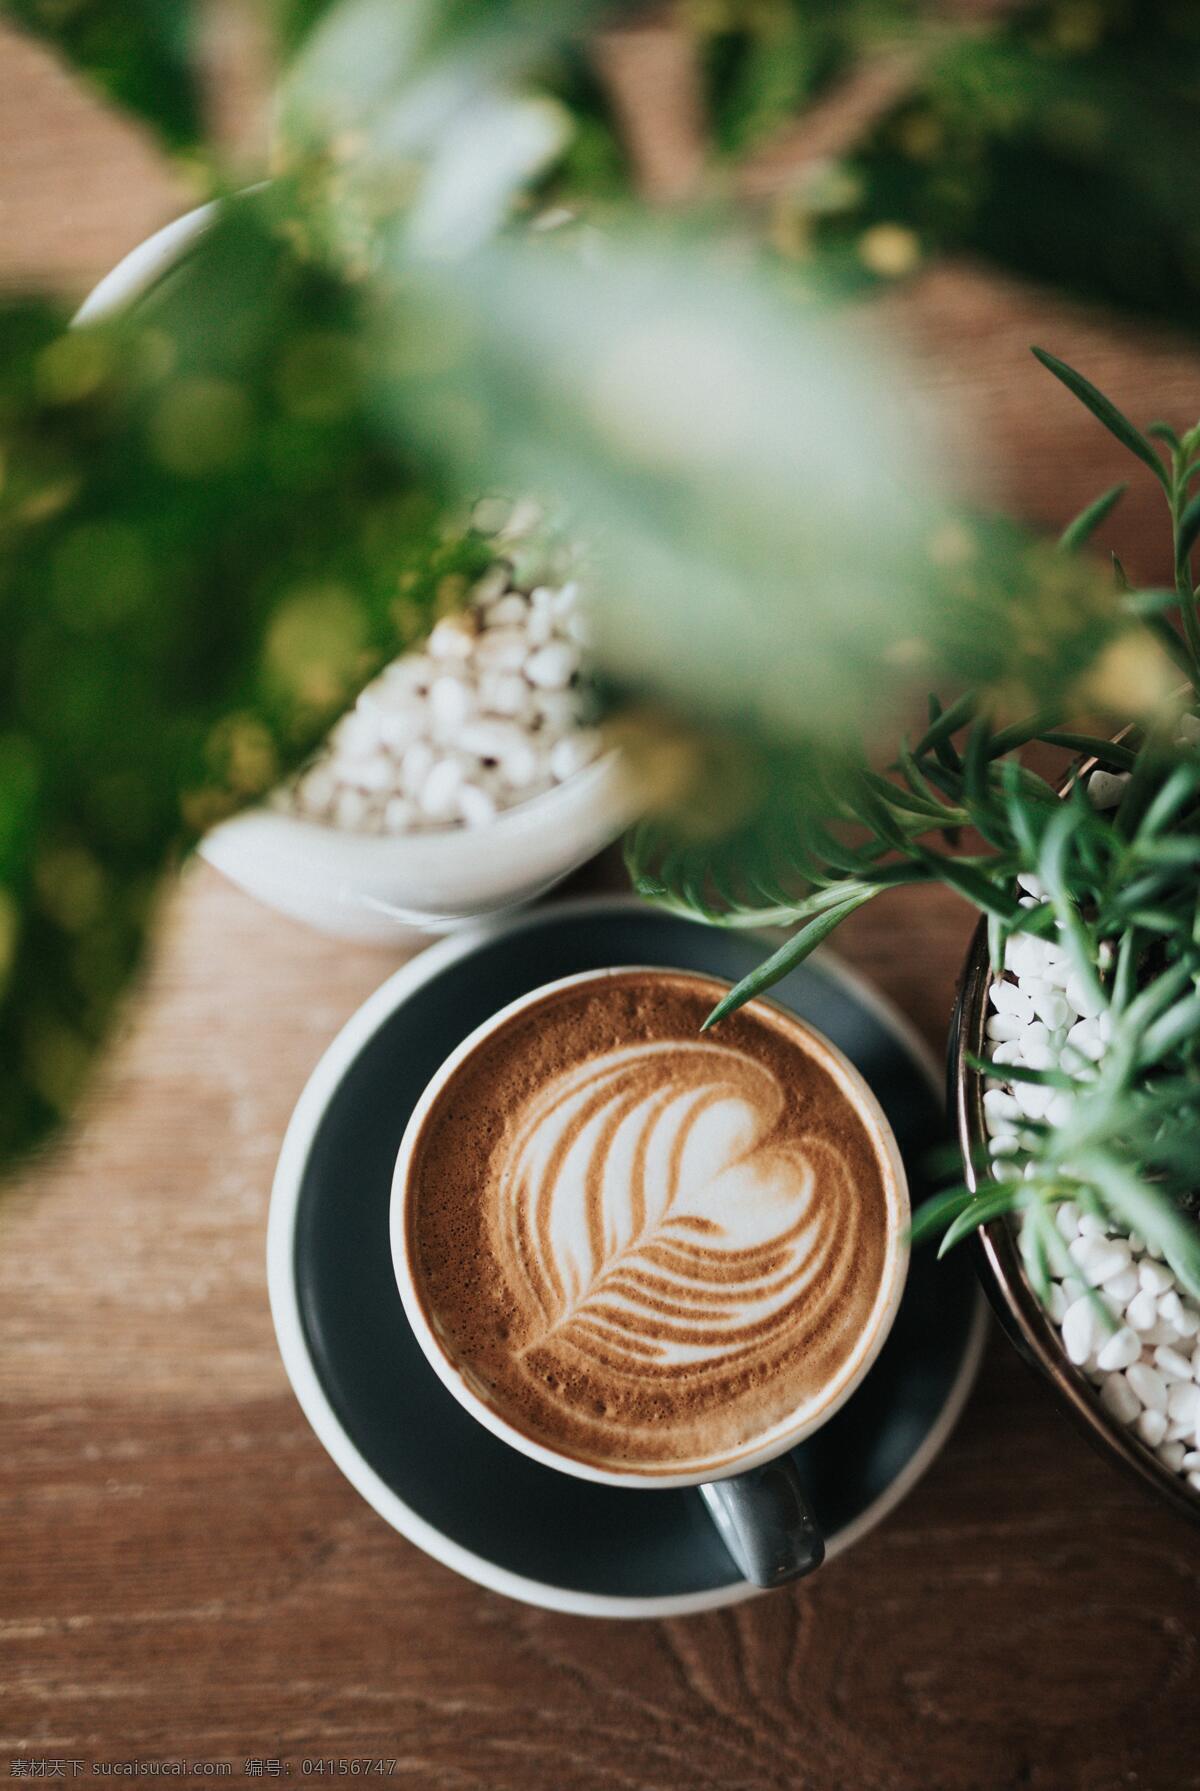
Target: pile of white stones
{"type": "Point", "coordinates": [490, 711]}
{"type": "Point", "coordinates": [1146, 1365]}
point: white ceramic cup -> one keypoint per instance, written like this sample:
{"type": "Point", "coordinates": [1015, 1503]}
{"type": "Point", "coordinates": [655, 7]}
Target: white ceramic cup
{"type": "Point", "coordinates": [754, 1498]}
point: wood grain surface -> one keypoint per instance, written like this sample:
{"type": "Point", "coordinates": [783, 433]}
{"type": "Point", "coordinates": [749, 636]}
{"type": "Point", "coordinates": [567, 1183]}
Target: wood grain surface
{"type": "Point", "coordinates": [184, 1575]}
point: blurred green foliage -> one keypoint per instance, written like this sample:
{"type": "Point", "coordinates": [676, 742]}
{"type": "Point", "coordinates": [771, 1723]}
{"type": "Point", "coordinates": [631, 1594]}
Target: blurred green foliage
{"type": "Point", "coordinates": [219, 514]}
{"type": "Point", "coordinates": [142, 54]}
{"type": "Point", "coordinates": [207, 544]}
{"type": "Point", "coordinates": [1062, 144]}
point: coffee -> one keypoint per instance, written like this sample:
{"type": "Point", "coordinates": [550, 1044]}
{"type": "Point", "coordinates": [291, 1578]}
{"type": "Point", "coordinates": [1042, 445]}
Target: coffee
{"type": "Point", "coordinates": [648, 1250]}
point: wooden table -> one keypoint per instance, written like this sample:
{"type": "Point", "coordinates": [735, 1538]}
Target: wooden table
{"type": "Point", "coordinates": [183, 1572]}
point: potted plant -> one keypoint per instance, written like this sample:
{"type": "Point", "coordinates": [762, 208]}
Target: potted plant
{"type": "Point", "coordinates": [1075, 1056]}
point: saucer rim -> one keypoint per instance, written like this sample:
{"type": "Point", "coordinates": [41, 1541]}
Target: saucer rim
{"type": "Point", "coordinates": [301, 1371]}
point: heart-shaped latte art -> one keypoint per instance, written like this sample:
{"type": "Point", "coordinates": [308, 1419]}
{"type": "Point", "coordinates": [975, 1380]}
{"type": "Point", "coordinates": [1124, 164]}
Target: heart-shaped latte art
{"type": "Point", "coordinates": [655, 1219]}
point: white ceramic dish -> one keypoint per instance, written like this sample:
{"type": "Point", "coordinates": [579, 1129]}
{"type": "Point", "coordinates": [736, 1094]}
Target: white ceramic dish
{"type": "Point", "coordinates": [365, 887]}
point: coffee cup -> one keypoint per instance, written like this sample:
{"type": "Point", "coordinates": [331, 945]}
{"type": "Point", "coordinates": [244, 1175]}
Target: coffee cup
{"type": "Point", "coordinates": [652, 1257]}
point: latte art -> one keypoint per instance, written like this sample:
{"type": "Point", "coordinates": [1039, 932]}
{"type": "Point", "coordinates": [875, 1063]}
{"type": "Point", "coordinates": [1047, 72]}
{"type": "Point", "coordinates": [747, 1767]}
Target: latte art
{"type": "Point", "coordinates": [646, 1217]}
{"type": "Point", "coordinates": [647, 1249]}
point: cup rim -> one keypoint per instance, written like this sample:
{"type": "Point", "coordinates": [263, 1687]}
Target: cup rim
{"type": "Point", "coordinates": [783, 1436]}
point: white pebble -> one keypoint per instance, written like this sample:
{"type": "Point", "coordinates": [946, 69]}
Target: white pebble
{"type": "Point", "coordinates": [1005, 1144]}
{"type": "Point", "coordinates": [501, 650]}
{"type": "Point", "coordinates": [1031, 885]}
{"type": "Point", "coordinates": [350, 809]}
{"type": "Point", "coordinates": [557, 712]}
{"type": "Point", "coordinates": [1188, 1322]}
{"type": "Point", "coordinates": [1057, 1302]}
{"type": "Point", "coordinates": [1032, 1098]}
{"type": "Point", "coordinates": [1155, 1278]}
{"type": "Point", "coordinates": [415, 766]}
{"type": "Point", "coordinates": [1183, 1402]}
{"type": "Point", "coordinates": [1121, 1351]}
{"type": "Point", "coordinates": [1193, 1481]}
{"type": "Point", "coordinates": [452, 638]}
{"type": "Point", "coordinates": [1061, 1108]}
{"type": "Point", "coordinates": [509, 611]}
{"type": "Point", "coordinates": [489, 739]}
{"type": "Point", "coordinates": [1052, 1007]}
{"type": "Point", "coordinates": [1170, 1307]}
{"type": "Point", "coordinates": [1151, 1426]}
{"type": "Point", "coordinates": [1119, 1398]}
{"type": "Point", "coordinates": [1091, 1225]}
{"type": "Point", "coordinates": [552, 667]}
{"type": "Point", "coordinates": [439, 793]}
{"type": "Point", "coordinates": [1149, 1386]}
{"type": "Point", "coordinates": [451, 701]}
{"type": "Point", "coordinates": [1172, 1455]}
{"type": "Point", "coordinates": [1007, 998]}
{"type": "Point", "coordinates": [540, 627]}
{"type": "Point", "coordinates": [401, 727]}
{"type": "Point", "coordinates": [504, 693]}
{"type": "Point", "coordinates": [1100, 1259]}
{"type": "Point", "coordinates": [1170, 1364]}
{"type": "Point", "coordinates": [1083, 1330]}
{"type": "Point", "coordinates": [1106, 788]}
{"type": "Point", "coordinates": [1006, 1052]}
{"type": "Point", "coordinates": [316, 789]}
{"type": "Point", "coordinates": [491, 585]}
{"type": "Point", "coordinates": [520, 767]}
{"type": "Point", "coordinates": [1066, 1217]}
{"type": "Point", "coordinates": [1123, 1287]}
{"type": "Point", "coordinates": [475, 805]}
{"type": "Point", "coordinates": [1024, 956]}
{"type": "Point", "coordinates": [1085, 1038]}
{"type": "Point", "coordinates": [399, 815]}
{"type": "Point", "coordinates": [998, 1105]}
{"type": "Point", "coordinates": [373, 774]}
{"type": "Point", "coordinates": [572, 753]}
{"type": "Point", "coordinates": [408, 677]}
{"type": "Point", "coordinates": [1143, 1311]}
{"type": "Point", "coordinates": [1086, 1000]}
{"type": "Point", "coordinates": [1191, 1459]}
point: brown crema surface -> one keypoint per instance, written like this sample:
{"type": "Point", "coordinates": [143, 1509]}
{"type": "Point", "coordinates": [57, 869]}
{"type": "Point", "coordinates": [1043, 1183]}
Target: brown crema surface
{"type": "Point", "coordinates": [646, 1249]}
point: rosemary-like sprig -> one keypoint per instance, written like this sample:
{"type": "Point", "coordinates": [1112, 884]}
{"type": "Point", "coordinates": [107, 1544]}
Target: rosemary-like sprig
{"type": "Point", "coordinates": [1119, 891]}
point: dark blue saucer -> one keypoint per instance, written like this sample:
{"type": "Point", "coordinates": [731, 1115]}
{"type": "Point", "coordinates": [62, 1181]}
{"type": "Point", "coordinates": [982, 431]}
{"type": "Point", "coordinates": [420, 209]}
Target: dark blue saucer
{"type": "Point", "coordinates": [428, 1467]}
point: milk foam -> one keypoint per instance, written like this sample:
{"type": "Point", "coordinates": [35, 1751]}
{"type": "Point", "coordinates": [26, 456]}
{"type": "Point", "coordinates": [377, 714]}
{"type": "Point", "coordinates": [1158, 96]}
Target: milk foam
{"type": "Point", "coordinates": [648, 1217]}
{"type": "Point", "coordinates": [645, 1247]}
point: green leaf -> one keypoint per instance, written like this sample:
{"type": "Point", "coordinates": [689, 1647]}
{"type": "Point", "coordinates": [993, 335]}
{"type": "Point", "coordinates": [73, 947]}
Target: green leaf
{"type": "Point", "coordinates": [1187, 531]}
{"type": "Point", "coordinates": [1170, 1031]}
{"type": "Point", "coordinates": [982, 1210]}
{"type": "Point", "coordinates": [1088, 521]}
{"type": "Point", "coordinates": [1106, 412]}
{"type": "Point", "coordinates": [1110, 753]}
{"type": "Point", "coordinates": [140, 53]}
{"type": "Point", "coordinates": [799, 947]}
{"type": "Point", "coordinates": [938, 1211]}
{"type": "Point", "coordinates": [946, 722]}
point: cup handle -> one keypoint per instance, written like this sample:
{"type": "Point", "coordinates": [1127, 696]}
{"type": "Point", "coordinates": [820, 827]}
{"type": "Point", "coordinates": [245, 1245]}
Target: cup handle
{"type": "Point", "coordinates": [766, 1524]}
